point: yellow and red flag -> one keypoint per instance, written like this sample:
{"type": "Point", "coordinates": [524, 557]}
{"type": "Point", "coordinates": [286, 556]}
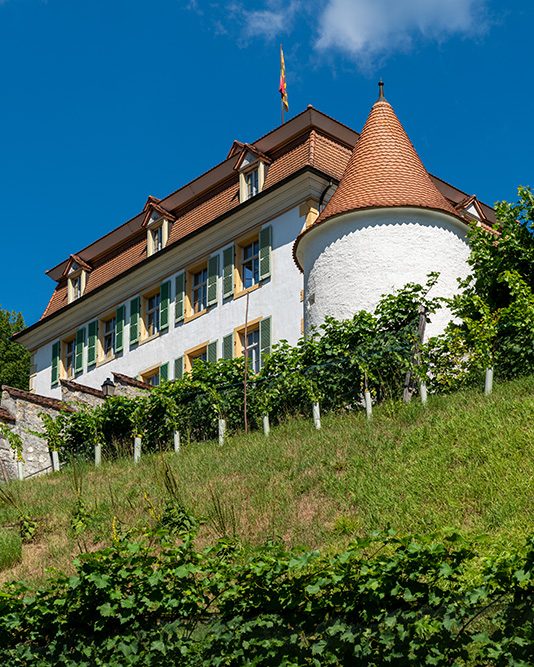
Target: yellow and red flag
{"type": "Point", "coordinates": [283, 88]}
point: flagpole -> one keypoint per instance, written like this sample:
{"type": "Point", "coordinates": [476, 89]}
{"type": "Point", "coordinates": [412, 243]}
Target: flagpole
{"type": "Point", "coordinates": [282, 107]}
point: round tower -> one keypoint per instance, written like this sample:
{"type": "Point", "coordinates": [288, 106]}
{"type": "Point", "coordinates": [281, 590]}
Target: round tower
{"type": "Point", "coordinates": [387, 224]}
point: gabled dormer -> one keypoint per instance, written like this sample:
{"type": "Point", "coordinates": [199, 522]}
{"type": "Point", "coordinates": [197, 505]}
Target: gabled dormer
{"type": "Point", "coordinates": [471, 209]}
{"type": "Point", "coordinates": [76, 272]}
{"type": "Point", "coordinates": [252, 166]}
{"type": "Point", "coordinates": [158, 222]}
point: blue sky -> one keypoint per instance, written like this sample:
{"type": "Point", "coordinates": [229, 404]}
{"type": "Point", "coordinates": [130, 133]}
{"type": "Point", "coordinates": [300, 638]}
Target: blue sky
{"type": "Point", "coordinates": [106, 102]}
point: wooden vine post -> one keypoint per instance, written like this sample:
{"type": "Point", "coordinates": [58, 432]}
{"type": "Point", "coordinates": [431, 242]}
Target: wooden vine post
{"type": "Point", "coordinates": [245, 353]}
{"type": "Point", "coordinates": [409, 380]}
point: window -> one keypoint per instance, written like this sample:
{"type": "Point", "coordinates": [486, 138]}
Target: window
{"type": "Point", "coordinates": [194, 355]}
{"type": "Point", "coordinates": [200, 356]}
{"type": "Point", "coordinates": [75, 286]}
{"type": "Point", "coordinates": [69, 359]}
{"type": "Point", "coordinates": [108, 339]}
{"type": "Point", "coordinates": [152, 378]}
{"type": "Point", "coordinates": [254, 344]}
{"type": "Point", "coordinates": [251, 349]}
{"type": "Point", "coordinates": [196, 289]}
{"type": "Point", "coordinates": [155, 375]}
{"type": "Point", "coordinates": [199, 291]}
{"type": "Point", "coordinates": [157, 239]}
{"type": "Point", "coordinates": [251, 179]}
{"type": "Point", "coordinates": [250, 266]}
{"type": "Point", "coordinates": [252, 255]}
{"type": "Point", "coordinates": [252, 167]}
{"type": "Point", "coordinates": [149, 314]}
{"type": "Point", "coordinates": [158, 229]}
{"type": "Point", "coordinates": [152, 314]}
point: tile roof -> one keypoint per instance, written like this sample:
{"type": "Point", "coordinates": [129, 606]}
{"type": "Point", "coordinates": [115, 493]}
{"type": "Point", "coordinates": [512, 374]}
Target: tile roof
{"type": "Point", "coordinates": [6, 416]}
{"type": "Point", "coordinates": [384, 170]}
{"type": "Point", "coordinates": [37, 398]}
{"type": "Point", "coordinates": [82, 388]}
{"type": "Point", "coordinates": [330, 156]}
{"type": "Point", "coordinates": [132, 382]}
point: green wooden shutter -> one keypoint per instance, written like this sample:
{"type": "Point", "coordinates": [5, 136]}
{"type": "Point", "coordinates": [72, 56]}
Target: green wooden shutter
{"type": "Point", "coordinates": [211, 352]}
{"type": "Point", "coordinates": [91, 347]}
{"type": "Point", "coordinates": [164, 372]}
{"type": "Point", "coordinates": [228, 346]}
{"type": "Point", "coordinates": [164, 299]}
{"type": "Point", "coordinates": [180, 296]}
{"type": "Point", "coordinates": [265, 338]}
{"type": "Point", "coordinates": [213, 276]}
{"type": "Point", "coordinates": [228, 271]}
{"type": "Point", "coordinates": [119, 328]}
{"type": "Point", "coordinates": [55, 363]}
{"type": "Point", "coordinates": [134, 320]}
{"type": "Point", "coordinates": [179, 368]}
{"type": "Point", "coordinates": [80, 344]}
{"type": "Point", "coordinates": [265, 252]}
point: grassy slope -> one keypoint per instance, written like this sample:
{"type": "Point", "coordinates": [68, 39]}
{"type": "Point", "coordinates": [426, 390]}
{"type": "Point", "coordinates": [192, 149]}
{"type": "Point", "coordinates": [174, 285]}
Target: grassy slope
{"type": "Point", "coordinates": [465, 461]}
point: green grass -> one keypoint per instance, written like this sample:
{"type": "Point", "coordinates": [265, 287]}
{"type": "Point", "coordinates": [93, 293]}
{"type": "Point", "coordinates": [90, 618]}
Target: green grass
{"type": "Point", "coordinates": [465, 461]}
{"type": "Point", "coordinates": [10, 548]}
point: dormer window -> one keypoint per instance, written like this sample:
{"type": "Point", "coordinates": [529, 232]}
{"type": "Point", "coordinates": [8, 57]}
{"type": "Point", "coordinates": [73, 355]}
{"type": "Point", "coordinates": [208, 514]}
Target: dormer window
{"type": "Point", "coordinates": [76, 283]}
{"type": "Point", "coordinates": [76, 272]}
{"type": "Point", "coordinates": [76, 287]}
{"type": "Point", "coordinates": [251, 179]}
{"type": "Point", "coordinates": [252, 166]}
{"type": "Point", "coordinates": [157, 234]}
{"type": "Point", "coordinates": [157, 238]}
{"type": "Point", "coordinates": [158, 224]}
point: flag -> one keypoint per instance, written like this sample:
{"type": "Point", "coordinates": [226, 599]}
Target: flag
{"type": "Point", "coordinates": [282, 88]}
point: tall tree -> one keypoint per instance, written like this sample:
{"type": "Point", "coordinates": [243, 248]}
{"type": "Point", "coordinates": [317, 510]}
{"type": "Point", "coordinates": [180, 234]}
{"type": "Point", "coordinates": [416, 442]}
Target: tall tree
{"type": "Point", "coordinates": [14, 357]}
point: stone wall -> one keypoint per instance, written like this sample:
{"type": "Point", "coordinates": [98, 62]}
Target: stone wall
{"type": "Point", "coordinates": [25, 407]}
{"type": "Point", "coordinates": [73, 393]}
{"type": "Point", "coordinates": [19, 411]}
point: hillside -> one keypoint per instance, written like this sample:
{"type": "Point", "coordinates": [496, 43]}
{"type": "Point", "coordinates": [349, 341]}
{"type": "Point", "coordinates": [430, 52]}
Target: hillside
{"type": "Point", "coordinates": [465, 461]}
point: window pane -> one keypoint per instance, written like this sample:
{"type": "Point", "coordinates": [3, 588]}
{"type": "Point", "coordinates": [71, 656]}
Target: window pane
{"type": "Point", "coordinates": [200, 292]}
{"type": "Point", "coordinates": [250, 266]}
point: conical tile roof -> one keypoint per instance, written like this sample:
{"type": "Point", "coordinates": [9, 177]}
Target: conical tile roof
{"type": "Point", "coordinates": [384, 170]}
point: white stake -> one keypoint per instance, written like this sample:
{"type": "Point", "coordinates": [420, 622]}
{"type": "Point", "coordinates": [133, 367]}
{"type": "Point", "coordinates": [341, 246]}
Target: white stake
{"type": "Point", "coordinates": [177, 442]}
{"type": "Point", "coordinates": [222, 431]}
{"type": "Point", "coordinates": [55, 461]}
{"type": "Point", "coordinates": [317, 416]}
{"type": "Point", "coordinates": [20, 470]}
{"type": "Point", "coordinates": [488, 387]}
{"type": "Point", "coordinates": [368, 404]}
{"type": "Point", "coordinates": [423, 392]}
{"type": "Point", "coordinates": [266, 425]}
{"type": "Point", "coordinates": [137, 450]}
{"type": "Point", "coordinates": [98, 454]}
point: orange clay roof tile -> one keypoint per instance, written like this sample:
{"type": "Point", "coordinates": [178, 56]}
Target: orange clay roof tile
{"type": "Point", "coordinates": [384, 170]}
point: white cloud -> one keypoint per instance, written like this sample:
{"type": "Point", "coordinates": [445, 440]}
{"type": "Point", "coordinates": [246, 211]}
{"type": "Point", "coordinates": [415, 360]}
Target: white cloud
{"type": "Point", "coordinates": [368, 30]}
{"type": "Point", "coordinates": [267, 23]}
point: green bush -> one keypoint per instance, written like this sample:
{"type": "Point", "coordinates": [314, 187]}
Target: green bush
{"type": "Point", "coordinates": [388, 600]}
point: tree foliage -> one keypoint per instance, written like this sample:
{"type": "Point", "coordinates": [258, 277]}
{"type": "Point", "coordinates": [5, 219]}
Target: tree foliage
{"type": "Point", "coordinates": [14, 357]}
{"type": "Point", "coordinates": [493, 312]}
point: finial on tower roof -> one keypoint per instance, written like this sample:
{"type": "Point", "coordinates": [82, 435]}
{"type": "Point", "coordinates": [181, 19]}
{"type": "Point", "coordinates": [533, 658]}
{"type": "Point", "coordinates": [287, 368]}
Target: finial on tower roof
{"type": "Point", "coordinates": [381, 97]}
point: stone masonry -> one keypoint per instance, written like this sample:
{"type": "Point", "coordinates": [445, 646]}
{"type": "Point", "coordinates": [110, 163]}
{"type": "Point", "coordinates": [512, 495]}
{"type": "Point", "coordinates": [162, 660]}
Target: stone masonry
{"type": "Point", "coordinates": [19, 411]}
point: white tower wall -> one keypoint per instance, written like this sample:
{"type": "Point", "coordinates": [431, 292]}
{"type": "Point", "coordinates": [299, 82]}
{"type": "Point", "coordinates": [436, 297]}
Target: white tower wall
{"type": "Point", "coordinates": [351, 260]}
